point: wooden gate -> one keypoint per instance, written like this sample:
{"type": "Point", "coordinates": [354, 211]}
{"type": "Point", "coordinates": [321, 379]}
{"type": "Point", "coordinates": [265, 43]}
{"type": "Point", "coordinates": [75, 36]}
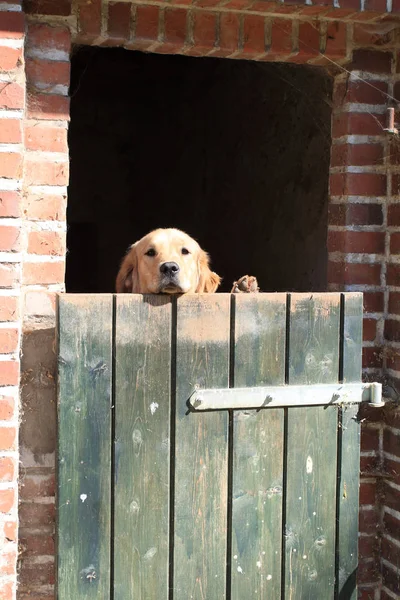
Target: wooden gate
{"type": "Point", "coordinates": [206, 505]}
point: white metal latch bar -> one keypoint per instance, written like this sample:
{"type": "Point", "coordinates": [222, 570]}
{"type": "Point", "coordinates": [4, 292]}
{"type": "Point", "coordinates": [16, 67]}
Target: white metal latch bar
{"type": "Point", "coordinates": [287, 395]}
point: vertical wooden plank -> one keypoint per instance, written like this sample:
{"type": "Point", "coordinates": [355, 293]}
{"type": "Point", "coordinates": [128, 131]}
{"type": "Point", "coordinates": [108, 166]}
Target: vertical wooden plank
{"type": "Point", "coordinates": [312, 450]}
{"type": "Point", "coordinates": [349, 453]}
{"type": "Point", "coordinates": [259, 359]}
{"type": "Point", "coordinates": [202, 357]}
{"type": "Point", "coordinates": [84, 446]}
{"type": "Point", "coordinates": [142, 443]}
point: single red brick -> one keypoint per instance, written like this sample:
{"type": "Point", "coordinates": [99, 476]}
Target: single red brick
{"type": "Point", "coordinates": [229, 32]}
{"type": "Point", "coordinates": [89, 18]}
{"type": "Point", "coordinates": [51, 72]}
{"type": "Point", "coordinates": [353, 273]}
{"type": "Point", "coordinates": [38, 486]}
{"type": "Point", "coordinates": [10, 204]}
{"type": "Point", "coordinates": [43, 273]}
{"type": "Point", "coordinates": [119, 20]}
{"type": "Point", "coordinates": [371, 92]}
{"type": "Point", "coordinates": [368, 545]}
{"type": "Point", "coordinates": [37, 545]}
{"type": "Point", "coordinates": [11, 95]}
{"type": "Point", "coordinates": [392, 330]}
{"type": "Point", "coordinates": [147, 18]}
{"type": "Point", "coordinates": [46, 172]}
{"type": "Point", "coordinates": [12, 24]}
{"type": "Point", "coordinates": [48, 37]}
{"type": "Point", "coordinates": [46, 242]}
{"type": "Point", "coordinates": [45, 208]}
{"type": "Point", "coordinates": [48, 139]}
{"type": "Point", "coordinates": [10, 131]}
{"type": "Point", "coordinates": [379, 6]}
{"type": "Point", "coordinates": [10, 531]}
{"type": "Point", "coordinates": [11, 165]}
{"type": "Point", "coordinates": [369, 330]}
{"type": "Point", "coordinates": [370, 242]}
{"type": "Point", "coordinates": [367, 492]}
{"type": "Point", "coordinates": [8, 434]}
{"type": "Point", "coordinates": [395, 243]}
{"type": "Point", "coordinates": [174, 25]}
{"type": "Point", "coordinates": [9, 340]}
{"type": "Point", "coordinates": [60, 8]}
{"type": "Point", "coordinates": [357, 124]}
{"type": "Point", "coordinates": [393, 359]}
{"type": "Point", "coordinates": [8, 275]}
{"type": "Point", "coordinates": [392, 468]}
{"type": "Point", "coordinates": [253, 35]}
{"type": "Point", "coordinates": [393, 274]}
{"type": "Point", "coordinates": [37, 574]}
{"type": "Point", "coordinates": [356, 154]}
{"type": "Point", "coordinates": [394, 303]}
{"type": "Point", "coordinates": [204, 30]}
{"type": "Point", "coordinates": [7, 406]}
{"type": "Point", "coordinates": [395, 184]}
{"type": "Point", "coordinates": [369, 438]}
{"type": "Point", "coordinates": [368, 520]}
{"type": "Point", "coordinates": [7, 469]}
{"type": "Point", "coordinates": [357, 184]}
{"type": "Point", "coordinates": [10, 58]}
{"type": "Point", "coordinates": [36, 514]}
{"type": "Point", "coordinates": [394, 214]}
{"type": "Point", "coordinates": [281, 40]}
{"type": "Point", "coordinates": [355, 214]}
{"type": "Point", "coordinates": [10, 238]}
{"type": "Point", "coordinates": [372, 61]}
{"type": "Point", "coordinates": [9, 308]}
{"type": "Point", "coordinates": [48, 106]}
{"type": "Point", "coordinates": [372, 358]}
{"type": "Point", "coordinates": [373, 302]}
{"type": "Point", "coordinates": [391, 442]}
{"type": "Point", "coordinates": [336, 39]}
{"type": "Point", "coordinates": [7, 498]}
{"type": "Point", "coordinates": [309, 39]}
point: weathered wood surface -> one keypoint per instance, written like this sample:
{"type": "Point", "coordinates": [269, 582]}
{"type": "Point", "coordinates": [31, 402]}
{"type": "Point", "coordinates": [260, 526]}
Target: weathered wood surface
{"type": "Point", "coordinates": [142, 447]}
{"type": "Point", "coordinates": [349, 454]}
{"type": "Point", "coordinates": [201, 450]}
{"type": "Point", "coordinates": [163, 349]}
{"type": "Point", "coordinates": [311, 450]}
{"type": "Point", "coordinates": [259, 359]}
{"type": "Point", "coordinates": [84, 446]}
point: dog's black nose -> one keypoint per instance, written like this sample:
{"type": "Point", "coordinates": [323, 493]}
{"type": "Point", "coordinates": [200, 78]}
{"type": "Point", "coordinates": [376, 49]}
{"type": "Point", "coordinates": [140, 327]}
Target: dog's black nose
{"type": "Point", "coordinates": [169, 268]}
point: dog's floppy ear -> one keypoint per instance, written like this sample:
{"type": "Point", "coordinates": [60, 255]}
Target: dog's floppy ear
{"type": "Point", "coordinates": [127, 279]}
{"type": "Point", "coordinates": [208, 280]}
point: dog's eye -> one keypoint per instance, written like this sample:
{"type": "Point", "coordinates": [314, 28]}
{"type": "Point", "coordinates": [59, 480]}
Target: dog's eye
{"type": "Point", "coordinates": [185, 251]}
{"type": "Point", "coordinates": [150, 252]}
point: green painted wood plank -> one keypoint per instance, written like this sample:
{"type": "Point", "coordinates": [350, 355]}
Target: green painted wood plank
{"type": "Point", "coordinates": [311, 451]}
{"type": "Point", "coordinates": [84, 446]}
{"type": "Point", "coordinates": [258, 450]}
{"type": "Point", "coordinates": [349, 453]}
{"type": "Point", "coordinates": [142, 443]}
{"type": "Point", "coordinates": [202, 349]}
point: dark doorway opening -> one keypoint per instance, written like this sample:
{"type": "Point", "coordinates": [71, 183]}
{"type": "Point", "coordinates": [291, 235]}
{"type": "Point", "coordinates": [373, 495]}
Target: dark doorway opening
{"type": "Point", "coordinates": [235, 153]}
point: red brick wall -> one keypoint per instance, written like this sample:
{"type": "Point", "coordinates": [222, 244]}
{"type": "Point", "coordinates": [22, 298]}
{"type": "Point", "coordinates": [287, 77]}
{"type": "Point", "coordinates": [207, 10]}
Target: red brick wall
{"type": "Point", "coordinates": [363, 238]}
{"type": "Point", "coordinates": [11, 245]}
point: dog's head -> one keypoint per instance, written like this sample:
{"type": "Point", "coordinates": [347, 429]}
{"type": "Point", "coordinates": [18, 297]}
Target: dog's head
{"type": "Point", "coordinates": [166, 261]}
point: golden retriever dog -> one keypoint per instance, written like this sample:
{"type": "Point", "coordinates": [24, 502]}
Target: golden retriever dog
{"type": "Point", "coordinates": [166, 261]}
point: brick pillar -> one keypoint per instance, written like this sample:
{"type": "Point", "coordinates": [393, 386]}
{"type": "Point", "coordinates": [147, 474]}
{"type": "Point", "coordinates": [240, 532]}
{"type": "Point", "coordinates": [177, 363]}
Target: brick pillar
{"type": "Point", "coordinates": [12, 27]}
{"type": "Point", "coordinates": [47, 51]}
{"type": "Point", "coordinates": [358, 247]}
